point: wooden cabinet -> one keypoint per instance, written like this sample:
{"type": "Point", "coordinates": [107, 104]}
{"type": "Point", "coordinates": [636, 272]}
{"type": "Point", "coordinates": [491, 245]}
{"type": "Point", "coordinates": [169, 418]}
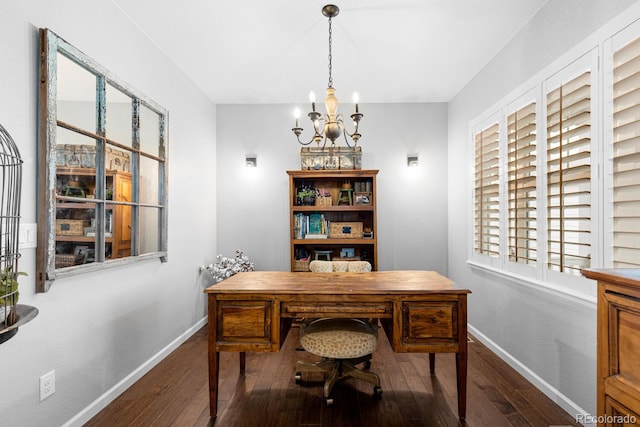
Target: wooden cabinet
{"type": "Point", "coordinates": [618, 346]}
{"type": "Point", "coordinates": [76, 210]}
{"type": "Point", "coordinates": [332, 213]}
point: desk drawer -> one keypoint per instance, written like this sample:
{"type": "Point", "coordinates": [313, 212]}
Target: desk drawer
{"type": "Point", "coordinates": [432, 323]}
{"type": "Point", "coordinates": [244, 322]}
{"type": "Point", "coordinates": [336, 309]}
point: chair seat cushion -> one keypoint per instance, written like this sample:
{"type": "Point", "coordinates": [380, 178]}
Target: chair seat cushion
{"type": "Point", "coordinates": [338, 338]}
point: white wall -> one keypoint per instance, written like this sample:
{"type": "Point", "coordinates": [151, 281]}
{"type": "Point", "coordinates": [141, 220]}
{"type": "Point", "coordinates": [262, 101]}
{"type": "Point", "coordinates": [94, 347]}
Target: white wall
{"type": "Point", "coordinates": [412, 202]}
{"type": "Point", "coordinates": [96, 329]}
{"type": "Point", "coordinates": [547, 335]}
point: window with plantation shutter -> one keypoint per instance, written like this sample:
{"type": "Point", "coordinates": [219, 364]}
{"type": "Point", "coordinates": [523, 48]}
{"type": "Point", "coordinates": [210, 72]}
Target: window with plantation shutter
{"type": "Point", "coordinates": [521, 184]}
{"type": "Point", "coordinates": [626, 156]}
{"type": "Point", "coordinates": [568, 160]}
{"type": "Point", "coordinates": [487, 192]}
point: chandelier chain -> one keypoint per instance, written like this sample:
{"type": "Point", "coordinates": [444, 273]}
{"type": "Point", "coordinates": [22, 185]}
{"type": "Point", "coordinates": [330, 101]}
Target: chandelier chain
{"type": "Point", "coordinates": [330, 57]}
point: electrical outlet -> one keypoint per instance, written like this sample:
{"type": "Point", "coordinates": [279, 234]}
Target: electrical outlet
{"type": "Point", "coordinates": [47, 385]}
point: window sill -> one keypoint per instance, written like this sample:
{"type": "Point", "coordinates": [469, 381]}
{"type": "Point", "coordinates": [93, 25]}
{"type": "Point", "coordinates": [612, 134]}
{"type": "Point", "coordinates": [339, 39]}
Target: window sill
{"type": "Point", "coordinates": [580, 297]}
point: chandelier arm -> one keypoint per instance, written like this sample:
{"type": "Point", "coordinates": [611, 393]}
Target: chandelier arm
{"type": "Point", "coordinates": [346, 140]}
{"type": "Point", "coordinates": [355, 136]}
{"type": "Point", "coordinates": [318, 125]}
{"type": "Point", "coordinates": [298, 136]}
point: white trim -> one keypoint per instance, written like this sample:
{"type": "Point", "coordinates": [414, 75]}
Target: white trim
{"type": "Point", "coordinates": [569, 294]}
{"type": "Point", "coordinates": [110, 395]}
{"type": "Point", "coordinates": [551, 392]}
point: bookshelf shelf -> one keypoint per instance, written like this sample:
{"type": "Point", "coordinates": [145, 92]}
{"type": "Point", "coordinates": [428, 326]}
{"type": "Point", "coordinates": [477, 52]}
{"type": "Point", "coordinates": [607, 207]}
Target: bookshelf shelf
{"type": "Point", "coordinates": [340, 208]}
{"type": "Point", "coordinates": [339, 216]}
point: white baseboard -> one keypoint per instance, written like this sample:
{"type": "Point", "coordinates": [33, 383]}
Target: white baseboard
{"type": "Point", "coordinates": [109, 396]}
{"type": "Point", "coordinates": [551, 392]}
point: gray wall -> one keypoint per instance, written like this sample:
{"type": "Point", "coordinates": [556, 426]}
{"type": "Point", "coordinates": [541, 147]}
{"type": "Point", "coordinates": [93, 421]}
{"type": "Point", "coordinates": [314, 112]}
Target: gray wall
{"type": "Point", "coordinates": [101, 331]}
{"type": "Point", "coordinates": [547, 335]}
{"type": "Point", "coordinates": [412, 202]}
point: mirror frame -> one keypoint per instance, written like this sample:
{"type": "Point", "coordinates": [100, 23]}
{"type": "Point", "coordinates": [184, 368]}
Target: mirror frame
{"type": "Point", "coordinates": [46, 272]}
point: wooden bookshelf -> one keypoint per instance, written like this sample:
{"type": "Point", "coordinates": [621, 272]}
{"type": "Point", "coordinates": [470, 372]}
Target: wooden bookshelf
{"type": "Point", "coordinates": [359, 212]}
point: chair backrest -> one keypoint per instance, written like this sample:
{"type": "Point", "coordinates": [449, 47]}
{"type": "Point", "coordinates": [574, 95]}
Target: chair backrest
{"type": "Point", "coordinates": [318, 266]}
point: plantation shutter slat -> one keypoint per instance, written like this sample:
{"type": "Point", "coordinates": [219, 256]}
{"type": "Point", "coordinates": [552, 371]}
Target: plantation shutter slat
{"type": "Point", "coordinates": [487, 192]}
{"type": "Point", "coordinates": [569, 175]}
{"type": "Point", "coordinates": [521, 185]}
{"type": "Point", "coordinates": [626, 157]}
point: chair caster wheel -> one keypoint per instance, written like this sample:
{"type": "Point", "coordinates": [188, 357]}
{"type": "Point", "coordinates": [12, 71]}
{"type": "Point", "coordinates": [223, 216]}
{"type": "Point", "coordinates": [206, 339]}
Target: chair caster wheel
{"type": "Point", "coordinates": [298, 377]}
{"type": "Point", "coordinates": [377, 392]}
{"type": "Point", "coordinates": [328, 401]}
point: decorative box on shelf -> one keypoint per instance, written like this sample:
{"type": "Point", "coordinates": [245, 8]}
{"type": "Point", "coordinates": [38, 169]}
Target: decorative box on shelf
{"type": "Point", "coordinates": [345, 230]}
{"type": "Point", "coordinates": [70, 227]}
{"type": "Point", "coordinates": [331, 158]}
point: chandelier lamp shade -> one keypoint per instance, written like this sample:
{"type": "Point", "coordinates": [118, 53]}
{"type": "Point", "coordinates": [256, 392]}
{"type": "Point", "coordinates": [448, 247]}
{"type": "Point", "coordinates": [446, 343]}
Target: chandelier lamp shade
{"type": "Point", "coordinates": [329, 126]}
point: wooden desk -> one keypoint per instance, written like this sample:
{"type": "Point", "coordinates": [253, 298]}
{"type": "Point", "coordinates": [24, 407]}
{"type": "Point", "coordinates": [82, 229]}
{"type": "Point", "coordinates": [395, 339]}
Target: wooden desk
{"type": "Point", "coordinates": [420, 311]}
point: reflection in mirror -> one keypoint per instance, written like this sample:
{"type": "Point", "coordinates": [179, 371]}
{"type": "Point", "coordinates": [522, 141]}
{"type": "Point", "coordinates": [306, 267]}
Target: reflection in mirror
{"type": "Point", "coordinates": [74, 149]}
{"type": "Point", "coordinates": [102, 198]}
{"type": "Point", "coordinates": [149, 223]}
{"type": "Point", "coordinates": [76, 94]}
{"type": "Point", "coordinates": [118, 127]}
{"type": "Point", "coordinates": [75, 243]}
{"type": "Point", "coordinates": [149, 169]}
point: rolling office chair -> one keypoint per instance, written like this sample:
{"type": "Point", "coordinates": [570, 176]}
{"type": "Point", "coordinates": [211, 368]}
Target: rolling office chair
{"type": "Point", "coordinates": [342, 343]}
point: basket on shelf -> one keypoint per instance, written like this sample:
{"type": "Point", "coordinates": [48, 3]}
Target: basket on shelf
{"type": "Point", "coordinates": [68, 260]}
{"type": "Point", "coordinates": [301, 265]}
{"type": "Point", "coordinates": [323, 201]}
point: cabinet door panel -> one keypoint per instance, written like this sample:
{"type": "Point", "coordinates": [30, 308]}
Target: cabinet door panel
{"type": "Point", "coordinates": [619, 415]}
{"type": "Point", "coordinates": [624, 338]}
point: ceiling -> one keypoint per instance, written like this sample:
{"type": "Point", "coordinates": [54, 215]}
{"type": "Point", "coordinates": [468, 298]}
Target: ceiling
{"type": "Point", "coordinates": [254, 51]}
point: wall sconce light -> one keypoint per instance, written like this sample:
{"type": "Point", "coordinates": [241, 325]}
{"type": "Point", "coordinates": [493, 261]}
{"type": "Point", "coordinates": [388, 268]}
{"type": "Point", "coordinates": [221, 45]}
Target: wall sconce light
{"type": "Point", "coordinates": [412, 160]}
{"type": "Point", "coordinates": [251, 161]}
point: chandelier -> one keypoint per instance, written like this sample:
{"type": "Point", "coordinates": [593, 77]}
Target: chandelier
{"type": "Point", "coordinates": [330, 125]}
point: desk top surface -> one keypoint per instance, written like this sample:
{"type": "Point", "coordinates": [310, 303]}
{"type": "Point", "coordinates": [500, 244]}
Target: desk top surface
{"type": "Point", "coordinates": [624, 276]}
{"type": "Point", "coordinates": [375, 282]}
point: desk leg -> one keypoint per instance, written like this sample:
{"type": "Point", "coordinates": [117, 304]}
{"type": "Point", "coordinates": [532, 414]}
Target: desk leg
{"type": "Point", "coordinates": [214, 364]}
{"type": "Point", "coordinates": [461, 376]}
{"type": "Point", "coordinates": [461, 359]}
{"type": "Point", "coordinates": [243, 361]}
{"type": "Point", "coordinates": [214, 359]}
{"type": "Point", "coordinates": [432, 363]}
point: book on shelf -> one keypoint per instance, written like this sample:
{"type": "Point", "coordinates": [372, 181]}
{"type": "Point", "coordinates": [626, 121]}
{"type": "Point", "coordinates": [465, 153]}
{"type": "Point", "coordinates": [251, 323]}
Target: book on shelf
{"type": "Point", "coordinates": [315, 236]}
{"type": "Point", "coordinates": [316, 223]}
{"type": "Point", "coordinates": [310, 226]}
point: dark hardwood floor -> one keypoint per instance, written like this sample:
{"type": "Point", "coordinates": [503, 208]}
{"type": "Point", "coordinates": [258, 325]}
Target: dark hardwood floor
{"type": "Point", "coordinates": [175, 393]}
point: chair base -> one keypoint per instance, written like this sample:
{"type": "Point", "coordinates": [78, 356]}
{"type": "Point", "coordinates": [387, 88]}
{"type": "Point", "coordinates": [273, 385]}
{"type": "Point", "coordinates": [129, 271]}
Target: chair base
{"type": "Point", "coordinates": [338, 369]}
